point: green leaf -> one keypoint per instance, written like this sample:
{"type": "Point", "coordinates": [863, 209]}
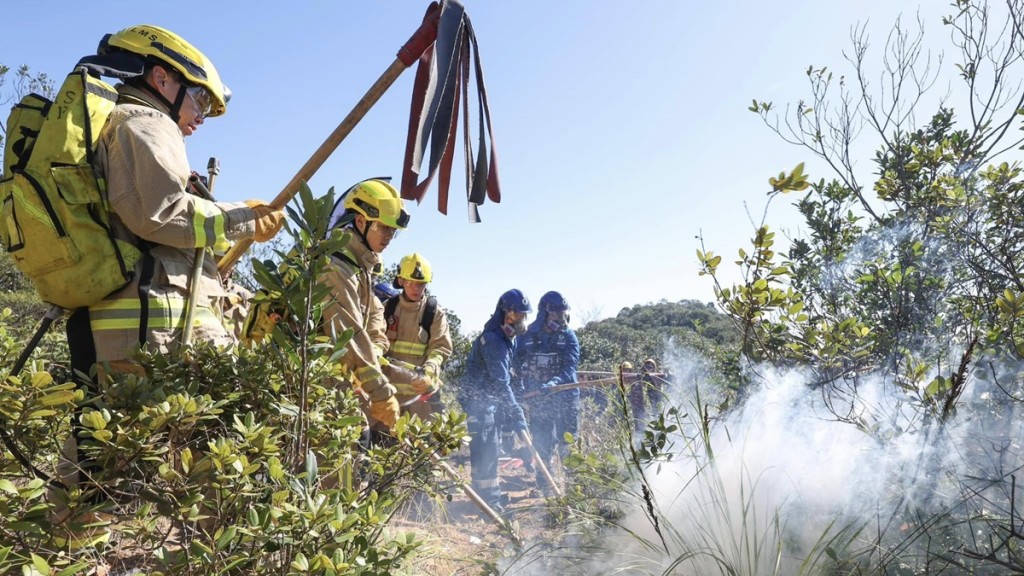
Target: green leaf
{"type": "Point", "coordinates": [41, 380]}
{"type": "Point", "coordinates": [312, 470]}
{"type": "Point", "coordinates": [10, 488]}
{"type": "Point", "coordinates": [300, 564]}
{"type": "Point", "coordinates": [77, 568]}
{"type": "Point", "coordinates": [58, 398]}
{"type": "Point", "coordinates": [94, 420]}
{"type": "Point", "coordinates": [225, 539]}
{"type": "Point", "coordinates": [276, 470]}
{"type": "Point", "coordinates": [186, 460]}
{"type": "Point", "coordinates": [200, 549]}
{"type": "Point", "coordinates": [40, 565]}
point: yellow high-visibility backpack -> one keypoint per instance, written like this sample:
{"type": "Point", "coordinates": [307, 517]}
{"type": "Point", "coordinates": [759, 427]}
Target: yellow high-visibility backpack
{"type": "Point", "coordinates": [55, 220]}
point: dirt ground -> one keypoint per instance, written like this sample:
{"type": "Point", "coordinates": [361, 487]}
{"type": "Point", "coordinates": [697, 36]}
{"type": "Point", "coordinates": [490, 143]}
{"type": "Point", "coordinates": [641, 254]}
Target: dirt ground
{"type": "Point", "coordinates": [460, 539]}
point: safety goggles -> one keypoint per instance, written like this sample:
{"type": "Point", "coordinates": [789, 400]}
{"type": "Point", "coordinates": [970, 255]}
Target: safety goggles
{"type": "Point", "coordinates": [201, 99]}
{"type": "Point", "coordinates": [384, 229]}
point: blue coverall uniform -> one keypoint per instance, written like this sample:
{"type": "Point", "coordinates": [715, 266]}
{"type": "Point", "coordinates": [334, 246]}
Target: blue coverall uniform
{"type": "Point", "coordinates": [487, 398]}
{"type": "Point", "coordinates": [544, 359]}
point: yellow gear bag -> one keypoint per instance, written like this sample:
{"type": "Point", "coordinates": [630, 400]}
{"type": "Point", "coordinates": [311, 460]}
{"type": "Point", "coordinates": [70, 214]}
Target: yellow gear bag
{"type": "Point", "coordinates": [265, 312]}
{"type": "Point", "coordinates": [55, 221]}
{"type": "Point", "coordinates": [260, 321]}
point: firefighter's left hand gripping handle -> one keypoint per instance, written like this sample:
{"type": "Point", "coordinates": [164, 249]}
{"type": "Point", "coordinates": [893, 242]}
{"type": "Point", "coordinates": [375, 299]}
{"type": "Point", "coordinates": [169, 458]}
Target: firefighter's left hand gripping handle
{"type": "Point", "coordinates": [269, 220]}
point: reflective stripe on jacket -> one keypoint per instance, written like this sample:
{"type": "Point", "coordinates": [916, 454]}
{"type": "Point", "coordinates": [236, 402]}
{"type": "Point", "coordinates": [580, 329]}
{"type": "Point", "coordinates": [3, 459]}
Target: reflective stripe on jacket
{"type": "Point", "coordinates": [410, 343]}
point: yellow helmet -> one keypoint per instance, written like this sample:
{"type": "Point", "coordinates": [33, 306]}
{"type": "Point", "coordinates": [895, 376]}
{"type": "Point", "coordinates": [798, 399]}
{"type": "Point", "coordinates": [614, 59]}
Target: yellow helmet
{"type": "Point", "coordinates": [416, 268]}
{"type": "Point", "coordinates": [627, 365]}
{"type": "Point", "coordinates": [169, 48]}
{"type": "Point", "coordinates": [650, 364]}
{"type": "Point", "coordinates": [377, 200]}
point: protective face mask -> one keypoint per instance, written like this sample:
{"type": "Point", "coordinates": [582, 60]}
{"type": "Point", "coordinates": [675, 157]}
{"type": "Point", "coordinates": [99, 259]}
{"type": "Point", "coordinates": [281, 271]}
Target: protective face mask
{"type": "Point", "coordinates": [521, 326]}
{"type": "Point", "coordinates": [557, 321]}
{"type": "Point", "coordinates": [517, 329]}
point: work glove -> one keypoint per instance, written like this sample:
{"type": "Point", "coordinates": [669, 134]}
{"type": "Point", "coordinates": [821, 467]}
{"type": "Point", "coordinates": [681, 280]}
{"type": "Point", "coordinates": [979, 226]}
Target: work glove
{"type": "Point", "coordinates": [548, 384]}
{"type": "Point", "coordinates": [519, 426]}
{"type": "Point", "coordinates": [428, 382]}
{"type": "Point", "coordinates": [431, 369]}
{"type": "Point", "coordinates": [378, 389]}
{"type": "Point", "coordinates": [520, 420]}
{"type": "Point", "coordinates": [385, 411]}
{"type": "Point", "coordinates": [423, 384]}
{"type": "Point", "coordinates": [268, 220]}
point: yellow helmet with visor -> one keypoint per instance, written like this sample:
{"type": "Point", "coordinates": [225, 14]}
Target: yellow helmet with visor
{"type": "Point", "coordinates": [415, 268]}
{"type": "Point", "coordinates": [209, 94]}
{"type": "Point", "coordinates": [378, 201]}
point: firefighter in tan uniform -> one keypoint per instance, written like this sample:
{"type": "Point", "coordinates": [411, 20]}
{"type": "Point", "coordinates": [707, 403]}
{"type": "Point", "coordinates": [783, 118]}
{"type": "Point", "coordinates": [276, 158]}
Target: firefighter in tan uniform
{"type": "Point", "coordinates": [419, 337]}
{"type": "Point", "coordinates": [378, 214]}
{"type": "Point", "coordinates": [141, 155]}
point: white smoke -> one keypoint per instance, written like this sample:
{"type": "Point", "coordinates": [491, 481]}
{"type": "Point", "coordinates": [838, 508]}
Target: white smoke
{"type": "Point", "coordinates": [784, 488]}
{"type": "Point", "coordinates": [786, 477]}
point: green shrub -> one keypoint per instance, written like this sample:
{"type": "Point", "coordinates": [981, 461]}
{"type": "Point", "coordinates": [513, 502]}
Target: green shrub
{"type": "Point", "coordinates": [239, 461]}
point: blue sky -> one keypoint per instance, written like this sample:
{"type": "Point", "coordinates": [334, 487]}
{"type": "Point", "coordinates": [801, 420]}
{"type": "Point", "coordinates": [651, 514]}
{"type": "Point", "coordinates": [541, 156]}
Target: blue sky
{"type": "Point", "coordinates": [622, 128]}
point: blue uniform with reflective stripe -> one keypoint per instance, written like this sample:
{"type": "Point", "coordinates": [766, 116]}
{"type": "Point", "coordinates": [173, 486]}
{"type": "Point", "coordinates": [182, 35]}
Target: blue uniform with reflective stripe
{"type": "Point", "coordinates": [542, 359]}
{"type": "Point", "coordinates": [548, 358]}
{"type": "Point", "coordinates": [486, 396]}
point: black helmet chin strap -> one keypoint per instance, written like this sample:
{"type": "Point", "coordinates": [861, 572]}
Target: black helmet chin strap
{"type": "Point", "coordinates": [178, 101]}
{"type": "Point", "coordinates": [173, 108]}
{"type": "Point", "coordinates": [362, 233]}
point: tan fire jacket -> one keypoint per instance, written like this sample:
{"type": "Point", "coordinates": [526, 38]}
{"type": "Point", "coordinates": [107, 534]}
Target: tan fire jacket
{"type": "Point", "coordinates": [141, 154]}
{"type": "Point", "coordinates": [354, 305]}
{"type": "Point", "coordinates": [410, 343]}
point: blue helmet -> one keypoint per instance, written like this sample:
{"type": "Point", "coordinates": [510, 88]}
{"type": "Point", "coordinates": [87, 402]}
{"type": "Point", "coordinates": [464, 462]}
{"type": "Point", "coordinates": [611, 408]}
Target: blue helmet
{"type": "Point", "coordinates": [514, 301]}
{"type": "Point", "coordinates": [553, 302]}
{"type": "Point", "coordinates": [554, 311]}
{"type": "Point", "coordinates": [385, 291]}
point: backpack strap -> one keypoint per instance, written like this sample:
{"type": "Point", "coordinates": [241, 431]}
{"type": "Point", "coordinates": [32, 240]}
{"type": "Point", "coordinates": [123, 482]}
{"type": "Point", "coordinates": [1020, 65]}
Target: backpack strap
{"type": "Point", "coordinates": [390, 306]}
{"type": "Point", "coordinates": [428, 315]}
{"type": "Point", "coordinates": [347, 257]}
{"type": "Point", "coordinates": [145, 286]}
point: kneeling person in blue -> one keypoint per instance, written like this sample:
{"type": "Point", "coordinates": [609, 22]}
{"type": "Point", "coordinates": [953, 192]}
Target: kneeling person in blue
{"type": "Point", "coordinates": [546, 356]}
{"type": "Point", "coordinates": [486, 393]}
